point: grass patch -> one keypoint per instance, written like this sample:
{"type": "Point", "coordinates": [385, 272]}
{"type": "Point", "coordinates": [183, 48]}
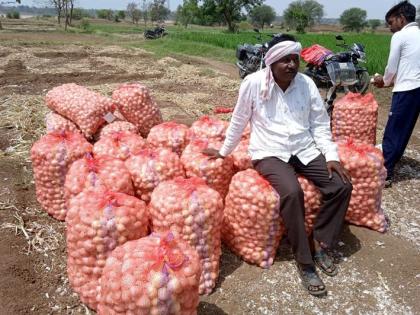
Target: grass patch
{"type": "Point", "coordinates": [167, 46]}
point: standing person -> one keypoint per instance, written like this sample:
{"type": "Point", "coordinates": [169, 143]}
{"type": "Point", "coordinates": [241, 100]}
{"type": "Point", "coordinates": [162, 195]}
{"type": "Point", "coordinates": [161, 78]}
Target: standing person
{"type": "Point", "coordinates": [402, 72]}
{"type": "Point", "coordinates": [290, 134]}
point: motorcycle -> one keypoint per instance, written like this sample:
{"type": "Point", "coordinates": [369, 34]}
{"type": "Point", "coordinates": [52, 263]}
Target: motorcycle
{"type": "Point", "coordinates": [251, 57]}
{"type": "Point", "coordinates": [158, 32]}
{"type": "Point", "coordinates": [340, 71]}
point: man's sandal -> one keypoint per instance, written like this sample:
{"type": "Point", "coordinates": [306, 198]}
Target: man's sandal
{"type": "Point", "coordinates": [325, 263]}
{"type": "Point", "coordinates": [311, 281]}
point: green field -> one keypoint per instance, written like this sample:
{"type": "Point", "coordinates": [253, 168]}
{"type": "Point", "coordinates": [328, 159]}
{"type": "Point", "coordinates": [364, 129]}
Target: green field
{"type": "Point", "coordinates": [220, 45]}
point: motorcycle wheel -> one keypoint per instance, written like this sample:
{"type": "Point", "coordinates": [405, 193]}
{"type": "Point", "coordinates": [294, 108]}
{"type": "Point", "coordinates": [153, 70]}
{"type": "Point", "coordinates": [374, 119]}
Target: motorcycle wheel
{"type": "Point", "coordinates": [363, 84]}
{"type": "Point", "coordinates": [242, 74]}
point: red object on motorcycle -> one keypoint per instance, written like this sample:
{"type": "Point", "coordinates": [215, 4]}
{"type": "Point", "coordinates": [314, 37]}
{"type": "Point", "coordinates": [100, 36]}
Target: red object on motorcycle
{"type": "Point", "coordinates": [315, 54]}
{"type": "Point", "coordinates": [223, 110]}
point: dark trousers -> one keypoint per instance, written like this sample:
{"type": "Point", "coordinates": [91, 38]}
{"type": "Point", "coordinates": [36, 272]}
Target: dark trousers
{"type": "Point", "coordinates": [402, 118]}
{"type": "Point", "coordinates": [336, 197]}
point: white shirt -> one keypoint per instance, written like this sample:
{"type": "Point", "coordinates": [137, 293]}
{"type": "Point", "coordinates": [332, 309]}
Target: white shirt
{"type": "Point", "coordinates": [403, 68]}
{"type": "Point", "coordinates": [294, 122]}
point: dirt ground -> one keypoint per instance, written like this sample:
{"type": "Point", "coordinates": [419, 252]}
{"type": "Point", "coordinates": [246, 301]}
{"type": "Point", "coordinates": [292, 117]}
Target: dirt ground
{"type": "Point", "coordinates": [379, 273]}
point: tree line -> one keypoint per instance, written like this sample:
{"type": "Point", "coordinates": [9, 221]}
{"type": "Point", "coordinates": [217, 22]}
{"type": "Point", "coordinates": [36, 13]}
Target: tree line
{"type": "Point", "coordinates": [299, 15]}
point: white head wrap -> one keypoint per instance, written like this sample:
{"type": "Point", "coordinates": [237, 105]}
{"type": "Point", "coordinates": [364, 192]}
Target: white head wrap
{"type": "Point", "coordinates": [274, 54]}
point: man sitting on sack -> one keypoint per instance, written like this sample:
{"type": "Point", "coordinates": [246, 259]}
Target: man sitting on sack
{"type": "Point", "coordinates": [290, 135]}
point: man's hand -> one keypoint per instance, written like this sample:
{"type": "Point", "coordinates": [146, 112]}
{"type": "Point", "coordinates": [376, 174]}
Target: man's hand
{"type": "Point", "coordinates": [378, 81]}
{"type": "Point", "coordinates": [334, 166]}
{"type": "Point", "coordinates": [212, 153]}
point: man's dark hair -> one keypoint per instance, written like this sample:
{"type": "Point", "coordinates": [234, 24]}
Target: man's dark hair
{"type": "Point", "coordinates": [403, 8]}
{"type": "Point", "coordinates": [278, 38]}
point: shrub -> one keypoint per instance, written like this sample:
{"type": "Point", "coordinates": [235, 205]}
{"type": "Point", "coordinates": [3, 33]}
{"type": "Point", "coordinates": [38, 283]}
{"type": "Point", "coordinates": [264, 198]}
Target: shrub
{"type": "Point", "coordinates": [13, 15]}
{"type": "Point", "coordinates": [84, 24]}
{"type": "Point", "coordinates": [244, 25]}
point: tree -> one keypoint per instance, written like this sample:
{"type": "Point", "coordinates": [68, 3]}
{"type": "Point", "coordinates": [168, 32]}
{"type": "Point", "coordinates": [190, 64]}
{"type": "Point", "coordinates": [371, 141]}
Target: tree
{"type": "Point", "coordinates": [69, 7]}
{"type": "Point", "coordinates": [353, 19]}
{"type": "Point", "coordinates": [79, 13]}
{"type": "Point", "coordinates": [263, 14]}
{"type": "Point", "coordinates": [158, 11]}
{"type": "Point", "coordinates": [374, 24]}
{"type": "Point", "coordinates": [105, 14]}
{"type": "Point", "coordinates": [231, 10]}
{"type": "Point", "coordinates": [314, 10]}
{"type": "Point", "coordinates": [13, 15]}
{"type": "Point", "coordinates": [296, 17]}
{"type": "Point", "coordinates": [120, 14]}
{"type": "Point", "coordinates": [133, 12]}
{"type": "Point", "coordinates": [59, 7]}
{"type": "Point", "coordinates": [208, 14]}
{"type": "Point", "coordinates": [145, 8]}
{"type": "Point", "coordinates": [302, 14]}
{"type": "Point", "coordinates": [186, 12]}
{"type": "Point", "coordinates": [7, 2]}
{"type": "Point", "coordinates": [64, 9]}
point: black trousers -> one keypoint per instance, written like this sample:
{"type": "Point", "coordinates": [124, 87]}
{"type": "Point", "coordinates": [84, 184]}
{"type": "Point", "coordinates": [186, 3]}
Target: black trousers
{"type": "Point", "coordinates": [336, 197]}
{"type": "Point", "coordinates": [402, 119]}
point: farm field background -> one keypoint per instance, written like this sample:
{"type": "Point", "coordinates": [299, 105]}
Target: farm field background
{"type": "Point", "coordinates": [219, 45]}
{"type": "Point", "coordinates": [190, 72]}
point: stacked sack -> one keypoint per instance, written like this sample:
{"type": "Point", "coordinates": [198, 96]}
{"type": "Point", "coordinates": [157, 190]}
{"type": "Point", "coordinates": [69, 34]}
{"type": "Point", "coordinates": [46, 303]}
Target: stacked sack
{"type": "Point", "coordinates": [209, 128]}
{"type": "Point", "coordinates": [365, 164]}
{"type": "Point", "coordinates": [251, 225]}
{"type": "Point", "coordinates": [355, 116]}
{"type": "Point", "coordinates": [106, 172]}
{"type": "Point", "coordinates": [83, 107]}
{"type": "Point", "coordinates": [57, 123]}
{"type": "Point", "coordinates": [117, 126]}
{"type": "Point", "coordinates": [137, 106]}
{"type": "Point", "coordinates": [149, 167]}
{"type": "Point", "coordinates": [97, 222]}
{"type": "Point", "coordinates": [216, 172]}
{"type": "Point", "coordinates": [241, 157]}
{"type": "Point", "coordinates": [51, 158]}
{"type": "Point", "coordinates": [194, 211]}
{"type": "Point", "coordinates": [120, 145]}
{"type": "Point", "coordinates": [158, 274]}
{"type": "Point", "coordinates": [170, 135]}
{"type": "Point", "coordinates": [312, 198]}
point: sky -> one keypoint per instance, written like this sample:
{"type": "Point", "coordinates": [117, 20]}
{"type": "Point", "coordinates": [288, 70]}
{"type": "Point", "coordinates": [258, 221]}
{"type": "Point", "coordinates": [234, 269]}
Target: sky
{"type": "Point", "coordinates": [376, 9]}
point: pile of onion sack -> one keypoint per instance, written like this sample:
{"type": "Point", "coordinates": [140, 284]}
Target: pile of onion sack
{"type": "Point", "coordinates": [365, 164]}
{"type": "Point", "coordinates": [251, 225]}
{"type": "Point", "coordinates": [52, 156]}
{"type": "Point", "coordinates": [209, 127]}
{"type": "Point", "coordinates": [137, 105]}
{"type": "Point", "coordinates": [170, 135]}
{"type": "Point", "coordinates": [216, 172]}
{"type": "Point", "coordinates": [157, 274]}
{"type": "Point", "coordinates": [104, 171]}
{"type": "Point", "coordinates": [120, 145]}
{"type": "Point", "coordinates": [195, 212]}
{"type": "Point", "coordinates": [117, 126]}
{"type": "Point", "coordinates": [115, 172]}
{"type": "Point", "coordinates": [355, 116]}
{"type": "Point", "coordinates": [150, 167]}
{"type": "Point", "coordinates": [57, 123]}
{"type": "Point", "coordinates": [83, 107]}
{"type": "Point", "coordinates": [97, 222]}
